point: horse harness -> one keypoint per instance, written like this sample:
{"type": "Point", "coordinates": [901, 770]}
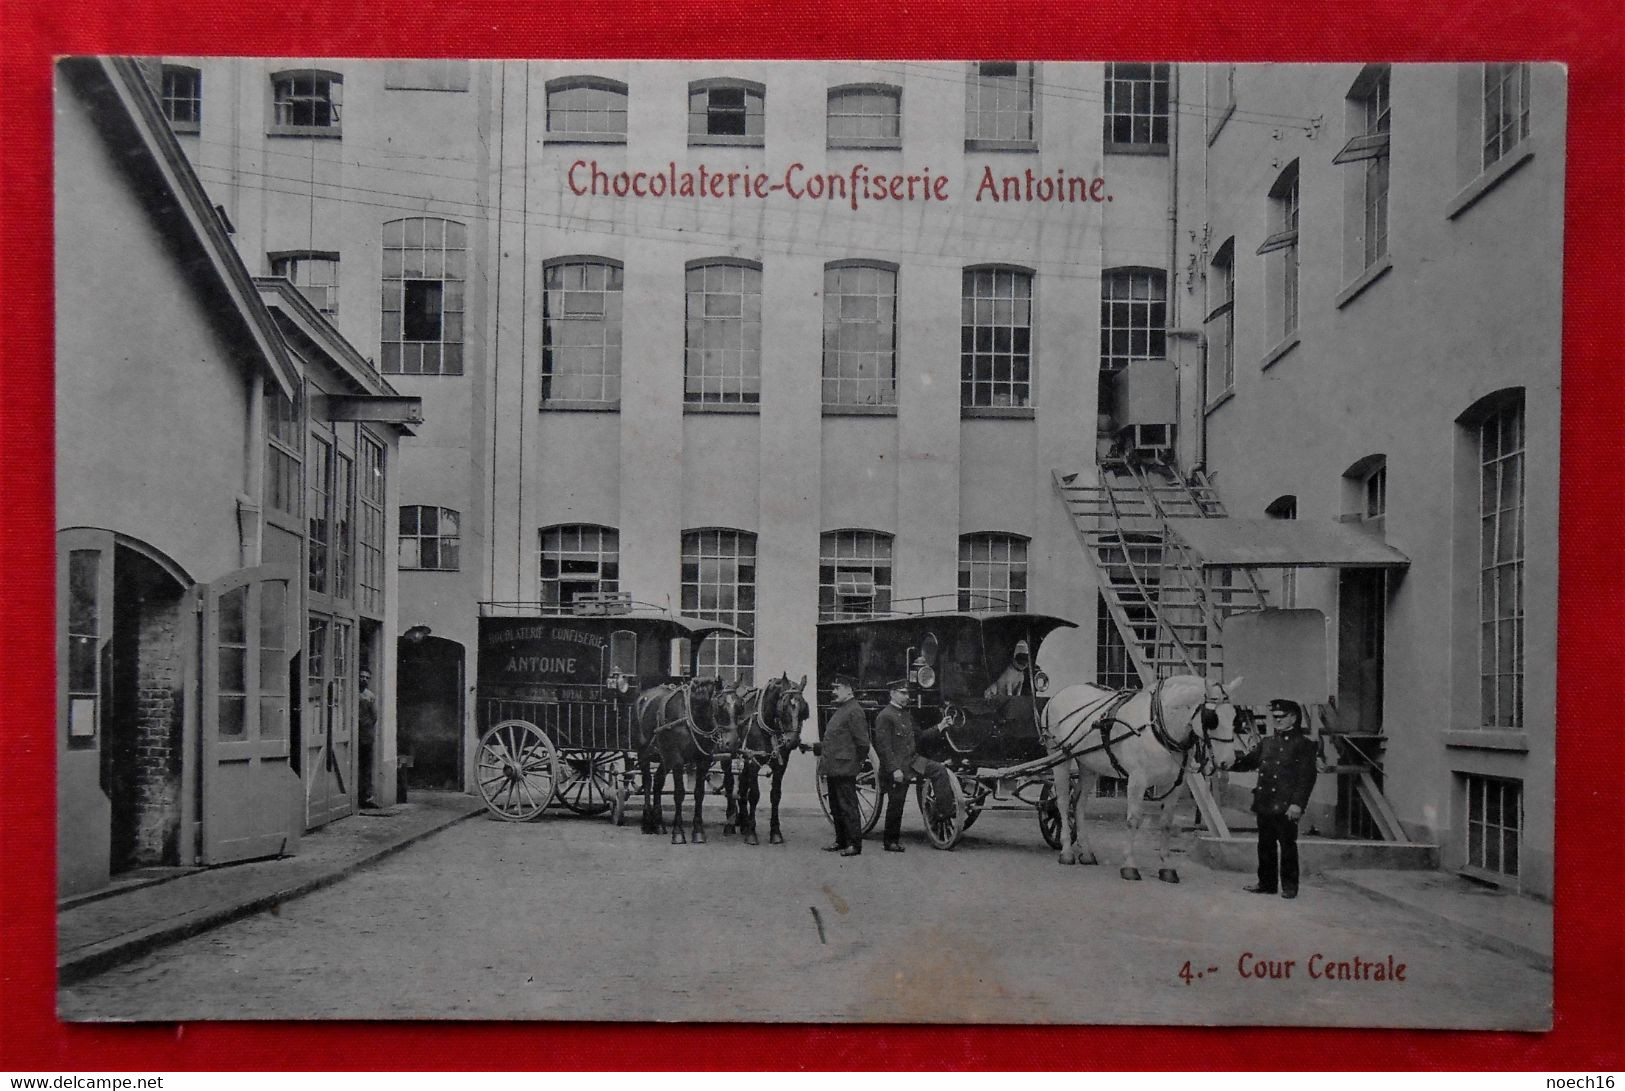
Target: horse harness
{"type": "Point", "coordinates": [705, 742]}
{"type": "Point", "coordinates": [1159, 730]}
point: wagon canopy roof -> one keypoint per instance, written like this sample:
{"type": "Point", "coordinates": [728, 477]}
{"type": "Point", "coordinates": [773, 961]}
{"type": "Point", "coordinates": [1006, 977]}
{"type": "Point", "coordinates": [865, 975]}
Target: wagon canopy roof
{"type": "Point", "coordinates": [1040, 625]}
{"type": "Point", "coordinates": [692, 626]}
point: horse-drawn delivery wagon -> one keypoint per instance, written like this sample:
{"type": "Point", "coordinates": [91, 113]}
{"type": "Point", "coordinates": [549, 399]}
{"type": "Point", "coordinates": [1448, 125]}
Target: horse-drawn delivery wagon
{"type": "Point", "coordinates": [556, 698]}
{"type": "Point", "coordinates": [976, 689]}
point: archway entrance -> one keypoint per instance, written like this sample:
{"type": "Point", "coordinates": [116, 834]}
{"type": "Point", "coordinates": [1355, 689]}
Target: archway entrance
{"type": "Point", "coordinates": [429, 710]}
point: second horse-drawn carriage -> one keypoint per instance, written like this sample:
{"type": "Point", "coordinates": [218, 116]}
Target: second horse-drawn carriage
{"type": "Point", "coordinates": [976, 689]}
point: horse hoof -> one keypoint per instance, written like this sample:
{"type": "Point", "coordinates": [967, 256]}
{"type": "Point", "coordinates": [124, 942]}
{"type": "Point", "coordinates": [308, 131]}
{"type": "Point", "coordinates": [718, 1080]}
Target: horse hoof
{"type": "Point", "coordinates": [775, 838]}
{"type": "Point", "coordinates": [1067, 857]}
{"type": "Point", "coordinates": [699, 837]}
{"type": "Point", "coordinates": [1168, 875]}
{"type": "Point", "coordinates": [1090, 862]}
{"type": "Point", "coordinates": [750, 839]}
{"type": "Point", "coordinates": [677, 837]}
{"type": "Point", "coordinates": [1132, 873]}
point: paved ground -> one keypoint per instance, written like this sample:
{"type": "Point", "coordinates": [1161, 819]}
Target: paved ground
{"type": "Point", "coordinates": [574, 919]}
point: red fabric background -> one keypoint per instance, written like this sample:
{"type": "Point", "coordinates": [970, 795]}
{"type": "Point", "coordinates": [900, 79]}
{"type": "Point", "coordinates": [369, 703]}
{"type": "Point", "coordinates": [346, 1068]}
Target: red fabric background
{"type": "Point", "coordinates": [1590, 959]}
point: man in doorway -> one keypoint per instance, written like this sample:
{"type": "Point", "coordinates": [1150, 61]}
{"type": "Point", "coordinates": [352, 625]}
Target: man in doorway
{"type": "Point", "coordinates": [897, 740]}
{"type": "Point", "coordinates": [844, 745]}
{"type": "Point", "coordinates": [1286, 775]}
{"type": "Point", "coordinates": [367, 724]}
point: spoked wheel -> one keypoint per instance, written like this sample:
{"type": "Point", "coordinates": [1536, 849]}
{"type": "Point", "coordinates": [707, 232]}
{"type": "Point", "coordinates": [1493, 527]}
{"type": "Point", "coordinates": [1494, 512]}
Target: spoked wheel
{"type": "Point", "coordinates": [1051, 819]}
{"type": "Point", "coordinates": [517, 770]}
{"type": "Point", "coordinates": [944, 831]}
{"type": "Point", "coordinates": [868, 793]}
{"type": "Point", "coordinates": [587, 780]}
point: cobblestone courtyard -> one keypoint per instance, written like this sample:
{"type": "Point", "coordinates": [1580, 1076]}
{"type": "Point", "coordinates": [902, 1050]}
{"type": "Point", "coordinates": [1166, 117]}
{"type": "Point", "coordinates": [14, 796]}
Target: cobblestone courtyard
{"type": "Point", "coordinates": [575, 919]}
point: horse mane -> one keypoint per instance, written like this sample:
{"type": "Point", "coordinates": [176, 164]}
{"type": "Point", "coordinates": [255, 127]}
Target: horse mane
{"type": "Point", "coordinates": [1184, 690]}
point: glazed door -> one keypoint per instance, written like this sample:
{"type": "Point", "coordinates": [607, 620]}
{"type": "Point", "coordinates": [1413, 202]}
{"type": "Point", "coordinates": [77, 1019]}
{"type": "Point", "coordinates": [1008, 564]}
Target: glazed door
{"type": "Point", "coordinates": [248, 783]}
{"type": "Point", "coordinates": [329, 716]}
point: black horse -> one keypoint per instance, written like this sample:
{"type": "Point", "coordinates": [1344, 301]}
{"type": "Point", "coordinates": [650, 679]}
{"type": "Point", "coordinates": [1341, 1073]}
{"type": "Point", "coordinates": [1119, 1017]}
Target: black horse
{"type": "Point", "coordinates": [679, 725]}
{"type": "Point", "coordinates": [768, 722]}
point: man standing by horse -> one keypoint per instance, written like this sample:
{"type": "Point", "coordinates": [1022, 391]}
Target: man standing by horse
{"type": "Point", "coordinates": [1286, 775]}
{"type": "Point", "coordinates": [897, 740]}
{"type": "Point", "coordinates": [844, 745]}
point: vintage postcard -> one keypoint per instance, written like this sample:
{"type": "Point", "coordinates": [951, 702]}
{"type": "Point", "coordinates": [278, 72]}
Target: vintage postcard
{"type": "Point", "coordinates": [808, 541]}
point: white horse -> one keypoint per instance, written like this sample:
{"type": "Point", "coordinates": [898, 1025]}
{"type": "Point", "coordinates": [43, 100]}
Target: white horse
{"type": "Point", "coordinates": [1152, 738]}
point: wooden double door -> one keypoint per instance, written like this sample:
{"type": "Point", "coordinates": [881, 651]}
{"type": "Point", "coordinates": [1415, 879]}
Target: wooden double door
{"type": "Point", "coordinates": [329, 718]}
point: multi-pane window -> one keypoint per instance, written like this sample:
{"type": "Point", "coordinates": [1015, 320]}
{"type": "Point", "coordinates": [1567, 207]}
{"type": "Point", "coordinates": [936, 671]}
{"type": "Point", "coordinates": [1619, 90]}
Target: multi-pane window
{"type": "Point", "coordinates": [860, 335]}
{"type": "Point", "coordinates": [992, 572]}
{"type": "Point", "coordinates": [371, 539]}
{"type": "Point", "coordinates": [429, 74]}
{"type": "Point", "coordinates": [719, 584]}
{"type": "Point", "coordinates": [1501, 556]}
{"type": "Point", "coordinates": [1506, 109]}
{"type": "Point", "coordinates": [1136, 107]}
{"type": "Point", "coordinates": [722, 359]}
{"type": "Point", "coordinates": [577, 559]}
{"type": "Point", "coordinates": [1221, 321]}
{"type": "Point", "coordinates": [865, 116]}
{"type": "Point", "coordinates": [343, 525]}
{"type": "Point", "coordinates": [319, 516]}
{"type": "Point", "coordinates": [581, 332]}
{"type": "Point", "coordinates": [1375, 490]}
{"type": "Point", "coordinates": [1494, 824]}
{"type": "Point", "coordinates": [315, 273]}
{"type": "Point", "coordinates": [726, 112]}
{"type": "Point", "coordinates": [1133, 317]}
{"type": "Point", "coordinates": [425, 266]}
{"type": "Point", "coordinates": [182, 98]}
{"type": "Point", "coordinates": [84, 624]}
{"type": "Point", "coordinates": [854, 574]}
{"type": "Point", "coordinates": [999, 101]}
{"type": "Point", "coordinates": [995, 338]}
{"type": "Point", "coordinates": [1367, 147]}
{"type": "Point", "coordinates": [1114, 668]}
{"type": "Point", "coordinates": [307, 101]}
{"type": "Point", "coordinates": [282, 430]}
{"type": "Point", "coordinates": [586, 108]}
{"type": "Point", "coordinates": [430, 538]}
{"type": "Point", "coordinates": [1282, 242]}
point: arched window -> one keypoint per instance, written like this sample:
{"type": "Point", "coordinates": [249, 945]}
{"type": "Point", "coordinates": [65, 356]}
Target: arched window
{"type": "Point", "coordinates": [1221, 321]}
{"type": "Point", "coordinates": [719, 584]}
{"type": "Point", "coordinates": [860, 333]}
{"type": "Point", "coordinates": [577, 558]}
{"type": "Point", "coordinates": [854, 574]}
{"type": "Point", "coordinates": [996, 337]}
{"type": "Point", "coordinates": [726, 111]}
{"type": "Point", "coordinates": [425, 265]}
{"type": "Point", "coordinates": [1495, 430]}
{"type": "Point", "coordinates": [588, 109]}
{"type": "Point", "coordinates": [581, 332]}
{"type": "Point", "coordinates": [306, 102]}
{"type": "Point", "coordinates": [865, 115]}
{"type": "Point", "coordinates": [722, 357]}
{"type": "Point", "coordinates": [1281, 250]}
{"type": "Point", "coordinates": [182, 97]}
{"type": "Point", "coordinates": [1365, 489]}
{"type": "Point", "coordinates": [993, 571]}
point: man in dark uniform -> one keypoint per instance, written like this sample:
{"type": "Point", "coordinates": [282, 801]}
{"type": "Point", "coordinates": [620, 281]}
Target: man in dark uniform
{"type": "Point", "coordinates": [897, 742]}
{"type": "Point", "coordinates": [843, 748]}
{"type": "Point", "coordinates": [1286, 775]}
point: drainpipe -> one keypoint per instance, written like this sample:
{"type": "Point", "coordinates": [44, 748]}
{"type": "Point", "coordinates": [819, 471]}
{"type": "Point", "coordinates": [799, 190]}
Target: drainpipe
{"type": "Point", "coordinates": [1172, 317]}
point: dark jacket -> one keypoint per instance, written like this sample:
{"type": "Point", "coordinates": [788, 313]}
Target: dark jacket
{"type": "Point", "coordinates": [897, 742]}
{"type": "Point", "coordinates": [846, 740]}
{"type": "Point", "coordinates": [1286, 771]}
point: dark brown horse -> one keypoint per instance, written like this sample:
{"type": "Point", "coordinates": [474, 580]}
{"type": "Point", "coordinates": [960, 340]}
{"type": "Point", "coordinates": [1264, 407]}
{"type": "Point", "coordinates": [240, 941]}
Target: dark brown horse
{"type": "Point", "coordinates": [769, 728]}
{"type": "Point", "coordinates": [678, 725]}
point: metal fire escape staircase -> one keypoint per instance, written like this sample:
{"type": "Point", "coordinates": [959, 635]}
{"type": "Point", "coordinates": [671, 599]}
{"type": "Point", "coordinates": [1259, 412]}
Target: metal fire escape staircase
{"type": "Point", "coordinates": [1167, 609]}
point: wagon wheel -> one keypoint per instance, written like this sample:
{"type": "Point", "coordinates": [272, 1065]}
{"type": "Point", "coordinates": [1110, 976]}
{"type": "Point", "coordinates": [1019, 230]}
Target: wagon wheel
{"type": "Point", "coordinates": [516, 769]}
{"type": "Point", "coordinates": [1051, 820]}
{"type": "Point", "coordinates": [944, 832]}
{"type": "Point", "coordinates": [869, 794]}
{"type": "Point", "coordinates": [587, 780]}
{"type": "Point", "coordinates": [975, 803]}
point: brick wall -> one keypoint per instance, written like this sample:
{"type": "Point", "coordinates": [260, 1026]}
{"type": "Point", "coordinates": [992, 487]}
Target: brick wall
{"type": "Point", "coordinates": [157, 773]}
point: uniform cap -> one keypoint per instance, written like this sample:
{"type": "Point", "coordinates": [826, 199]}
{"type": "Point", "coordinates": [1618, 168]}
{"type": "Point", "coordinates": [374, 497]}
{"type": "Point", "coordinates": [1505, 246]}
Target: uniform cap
{"type": "Point", "coordinates": [1281, 704]}
{"type": "Point", "coordinates": [844, 680]}
{"type": "Point", "coordinates": [901, 683]}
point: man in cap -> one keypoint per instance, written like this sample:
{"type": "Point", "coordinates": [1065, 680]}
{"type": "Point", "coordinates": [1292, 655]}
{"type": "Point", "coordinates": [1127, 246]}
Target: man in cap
{"type": "Point", "coordinates": [1286, 775]}
{"type": "Point", "coordinates": [897, 740]}
{"type": "Point", "coordinates": [844, 745]}
{"type": "Point", "coordinates": [367, 734]}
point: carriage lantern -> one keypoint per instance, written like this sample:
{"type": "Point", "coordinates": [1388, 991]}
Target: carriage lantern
{"type": "Point", "coordinates": [921, 674]}
{"type": "Point", "coordinates": [1040, 681]}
